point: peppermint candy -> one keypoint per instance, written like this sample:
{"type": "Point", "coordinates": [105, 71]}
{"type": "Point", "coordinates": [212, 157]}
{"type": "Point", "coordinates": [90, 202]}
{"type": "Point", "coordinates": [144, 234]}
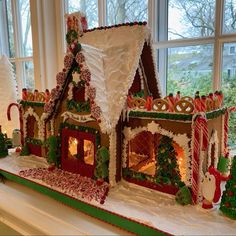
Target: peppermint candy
{"type": "Point", "coordinates": [85, 75]}
{"type": "Point", "coordinates": [68, 60]}
{"type": "Point", "coordinates": [61, 78]}
{"type": "Point", "coordinates": [80, 58]}
{"type": "Point", "coordinates": [91, 93]}
{"type": "Point", "coordinates": [95, 111]}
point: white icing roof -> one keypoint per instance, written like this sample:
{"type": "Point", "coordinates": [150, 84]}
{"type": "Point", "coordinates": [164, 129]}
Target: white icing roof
{"type": "Point", "coordinates": [112, 57]}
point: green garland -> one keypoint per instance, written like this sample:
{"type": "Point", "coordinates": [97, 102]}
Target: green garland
{"type": "Point", "coordinates": [174, 116]}
{"type": "Point", "coordinates": [78, 106]}
{"type": "Point", "coordinates": [31, 103]}
{"type": "Point", "coordinates": [214, 114]}
{"type": "Point", "coordinates": [34, 141]}
{"type": "Point", "coordinates": [126, 172]}
{"type": "Point", "coordinates": [160, 115]}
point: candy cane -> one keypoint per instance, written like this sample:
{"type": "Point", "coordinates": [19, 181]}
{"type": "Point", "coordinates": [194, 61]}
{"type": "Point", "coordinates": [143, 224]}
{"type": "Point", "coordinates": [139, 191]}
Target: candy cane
{"type": "Point", "coordinates": [200, 142]}
{"type": "Point", "coordinates": [19, 107]}
{"type": "Point", "coordinates": [197, 105]}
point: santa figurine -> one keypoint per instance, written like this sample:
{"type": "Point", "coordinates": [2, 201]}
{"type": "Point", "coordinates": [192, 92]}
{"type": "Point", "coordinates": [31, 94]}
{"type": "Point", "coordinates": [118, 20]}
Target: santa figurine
{"type": "Point", "coordinates": [211, 191]}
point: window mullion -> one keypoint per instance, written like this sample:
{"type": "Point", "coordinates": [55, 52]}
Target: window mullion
{"type": "Point", "coordinates": [18, 43]}
{"type": "Point", "coordinates": [152, 18]}
{"type": "Point", "coordinates": [4, 42]}
{"type": "Point", "coordinates": [102, 12]}
{"type": "Point", "coordinates": [184, 42]}
{"type": "Point", "coordinates": [218, 45]}
{"type": "Point", "coordinates": [161, 35]}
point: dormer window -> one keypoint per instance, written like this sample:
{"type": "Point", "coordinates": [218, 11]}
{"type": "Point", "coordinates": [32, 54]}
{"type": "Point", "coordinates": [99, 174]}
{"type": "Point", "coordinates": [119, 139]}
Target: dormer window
{"type": "Point", "coordinates": [79, 92]}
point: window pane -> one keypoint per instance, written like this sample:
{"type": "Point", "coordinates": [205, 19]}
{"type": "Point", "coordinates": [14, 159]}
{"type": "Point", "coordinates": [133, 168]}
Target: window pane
{"type": "Point", "coordinates": [10, 30]}
{"type": "Point", "coordinates": [25, 29]}
{"type": "Point", "coordinates": [72, 147]}
{"type": "Point", "coordinates": [191, 18]}
{"type": "Point", "coordinates": [190, 69]}
{"type": "Point", "coordinates": [88, 152]}
{"type": "Point", "coordinates": [229, 84]}
{"type": "Point", "coordinates": [25, 70]}
{"type": "Point", "coordinates": [29, 74]}
{"type": "Point", "coordinates": [88, 7]}
{"type": "Point", "coordinates": [120, 11]}
{"type": "Point", "coordinates": [229, 16]}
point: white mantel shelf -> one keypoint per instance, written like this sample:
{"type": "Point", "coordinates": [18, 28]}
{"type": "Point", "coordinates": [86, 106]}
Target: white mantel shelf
{"type": "Point", "coordinates": [31, 213]}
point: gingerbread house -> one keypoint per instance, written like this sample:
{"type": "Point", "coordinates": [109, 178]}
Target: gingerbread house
{"type": "Point", "coordinates": [110, 121]}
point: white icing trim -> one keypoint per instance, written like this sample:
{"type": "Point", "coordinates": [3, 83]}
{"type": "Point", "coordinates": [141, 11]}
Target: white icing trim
{"type": "Point", "coordinates": [181, 139]}
{"type": "Point", "coordinates": [79, 118]}
{"type": "Point", "coordinates": [70, 91]}
{"type": "Point", "coordinates": [52, 126]}
{"type": "Point", "coordinates": [153, 52]}
{"type": "Point", "coordinates": [113, 156]}
{"type": "Point", "coordinates": [213, 140]}
{"type": "Point", "coordinates": [141, 77]}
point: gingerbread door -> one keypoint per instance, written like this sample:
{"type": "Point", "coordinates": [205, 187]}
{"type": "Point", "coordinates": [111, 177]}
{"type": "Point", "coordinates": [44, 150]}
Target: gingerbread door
{"type": "Point", "coordinates": [78, 152]}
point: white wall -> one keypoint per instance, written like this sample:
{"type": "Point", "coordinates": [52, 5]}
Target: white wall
{"type": "Point", "coordinates": [48, 46]}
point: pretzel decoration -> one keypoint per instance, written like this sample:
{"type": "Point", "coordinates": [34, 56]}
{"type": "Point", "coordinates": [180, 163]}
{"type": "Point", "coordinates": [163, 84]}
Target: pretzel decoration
{"type": "Point", "coordinates": [138, 103]}
{"type": "Point", "coordinates": [160, 105]}
{"type": "Point", "coordinates": [30, 96]}
{"type": "Point", "coordinates": [187, 98]}
{"type": "Point", "coordinates": [184, 106]}
{"type": "Point", "coordinates": [40, 97]}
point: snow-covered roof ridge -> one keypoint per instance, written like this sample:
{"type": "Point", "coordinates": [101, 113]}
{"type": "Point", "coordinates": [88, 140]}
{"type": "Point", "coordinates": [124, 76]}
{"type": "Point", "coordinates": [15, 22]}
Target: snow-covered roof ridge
{"type": "Point", "coordinates": [112, 56]}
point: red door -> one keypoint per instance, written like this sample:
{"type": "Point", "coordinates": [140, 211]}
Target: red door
{"type": "Point", "coordinates": [78, 152]}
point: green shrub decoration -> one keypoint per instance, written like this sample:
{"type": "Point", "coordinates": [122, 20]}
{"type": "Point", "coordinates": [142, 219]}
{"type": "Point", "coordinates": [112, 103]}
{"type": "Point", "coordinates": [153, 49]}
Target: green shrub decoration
{"type": "Point", "coordinates": [25, 151]}
{"type": "Point", "coordinates": [183, 196]}
{"type": "Point", "coordinates": [53, 156]}
{"type": "Point", "coordinates": [228, 200]}
{"type": "Point", "coordinates": [101, 170]}
{"type": "Point", "coordinates": [3, 145]}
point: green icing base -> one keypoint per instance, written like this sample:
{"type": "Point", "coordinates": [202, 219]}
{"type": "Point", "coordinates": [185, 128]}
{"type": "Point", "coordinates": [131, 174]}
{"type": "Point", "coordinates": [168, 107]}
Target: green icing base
{"type": "Point", "coordinates": [174, 116]}
{"type": "Point", "coordinates": [106, 216]}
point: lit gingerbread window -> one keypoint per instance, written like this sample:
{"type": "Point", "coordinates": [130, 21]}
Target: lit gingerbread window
{"type": "Point", "coordinates": [72, 147]}
{"type": "Point", "coordinates": [88, 152]}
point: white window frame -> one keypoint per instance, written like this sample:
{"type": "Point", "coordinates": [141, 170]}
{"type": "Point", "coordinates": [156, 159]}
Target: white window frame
{"type": "Point", "coordinates": [18, 59]}
{"type": "Point", "coordinates": [158, 23]}
{"type": "Point", "coordinates": [217, 41]}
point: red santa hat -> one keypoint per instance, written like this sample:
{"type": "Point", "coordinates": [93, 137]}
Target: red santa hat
{"type": "Point", "coordinates": [217, 176]}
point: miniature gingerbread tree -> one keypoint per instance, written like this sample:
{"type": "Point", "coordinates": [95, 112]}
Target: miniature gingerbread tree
{"type": "Point", "coordinates": [101, 171]}
{"type": "Point", "coordinates": [3, 145]}
{"type": "Point", "coordinates": [228, 201]}
{"type": "Point", "coordinates": [8, 94]}
{"type": "Point", "coordinates": [53, 155]}
{"type": "Point", "coordinates": [167, 166]}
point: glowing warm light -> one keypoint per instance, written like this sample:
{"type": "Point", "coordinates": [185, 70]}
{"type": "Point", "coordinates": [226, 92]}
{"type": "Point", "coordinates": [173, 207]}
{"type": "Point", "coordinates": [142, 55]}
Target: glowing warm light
{"type": "Point", "coordinates": [88, 152]}
{"type": "Point", "coordinates": [72, 147]}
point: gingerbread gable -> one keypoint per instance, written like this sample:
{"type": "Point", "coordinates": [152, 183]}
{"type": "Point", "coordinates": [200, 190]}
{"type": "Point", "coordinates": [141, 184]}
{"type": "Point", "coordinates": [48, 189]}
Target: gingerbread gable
{"type": "Point", "coordinates": [114, 59]}
{"type": "Point", "coordinates": [113, 56]}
